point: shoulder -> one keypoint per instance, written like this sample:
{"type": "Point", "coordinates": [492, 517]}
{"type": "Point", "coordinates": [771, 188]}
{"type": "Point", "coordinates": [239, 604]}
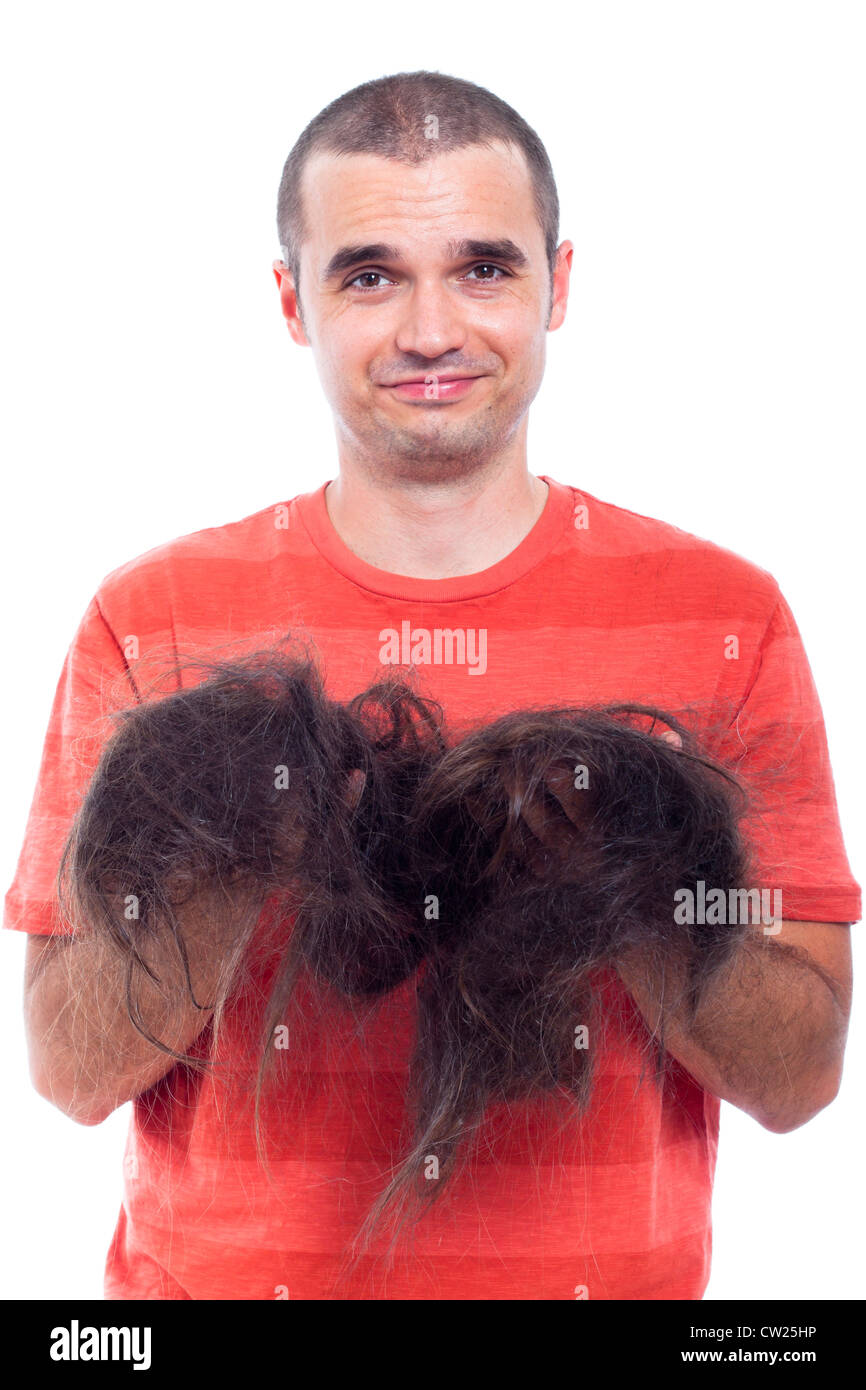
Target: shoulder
{"type": "Point", "coordinates": [200, 557]}
{"type": "Point", "coordinates": [647, 545]}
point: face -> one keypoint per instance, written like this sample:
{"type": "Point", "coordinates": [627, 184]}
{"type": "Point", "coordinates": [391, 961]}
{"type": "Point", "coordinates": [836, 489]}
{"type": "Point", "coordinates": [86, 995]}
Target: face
{"type": "Point", "coordinates": [426, 300]}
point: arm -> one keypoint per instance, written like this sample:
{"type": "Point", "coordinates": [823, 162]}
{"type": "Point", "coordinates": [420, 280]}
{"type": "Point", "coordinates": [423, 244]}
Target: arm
{"type": "Point", "coordinates": [770, 1035]}
{"type": "Point", "coordinates": [86, 1056]}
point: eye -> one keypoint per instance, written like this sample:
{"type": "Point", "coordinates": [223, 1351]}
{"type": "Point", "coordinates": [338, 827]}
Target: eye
{"type": "Point", "coordinates": [366, 275]}
{"type": "Point", "coordinates": [486, 265]}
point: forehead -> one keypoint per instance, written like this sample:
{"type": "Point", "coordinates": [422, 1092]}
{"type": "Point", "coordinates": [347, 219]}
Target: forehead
{"type": "Point", "coordinates": [474, 191]}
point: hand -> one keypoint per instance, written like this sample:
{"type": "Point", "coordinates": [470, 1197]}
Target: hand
{"type": "Point", "coordinates": [554, 829]}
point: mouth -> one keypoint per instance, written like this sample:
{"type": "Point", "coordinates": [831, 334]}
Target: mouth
{"type": "Point", "coordinates": [434, 389]}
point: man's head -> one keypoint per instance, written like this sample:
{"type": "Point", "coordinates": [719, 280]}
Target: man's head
{"type": "Point", "coordinates": [418, 221]}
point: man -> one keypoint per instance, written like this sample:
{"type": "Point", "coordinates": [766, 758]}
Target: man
{"type": "Point", "coordinates": [418, 223]}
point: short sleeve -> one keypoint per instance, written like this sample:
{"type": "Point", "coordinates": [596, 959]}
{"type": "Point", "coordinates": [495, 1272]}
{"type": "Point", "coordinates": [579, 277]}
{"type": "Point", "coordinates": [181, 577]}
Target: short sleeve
{"type": "Point", "coordinates": [777, 745]}
{"type": "Point", "coordinates": [94, 682]}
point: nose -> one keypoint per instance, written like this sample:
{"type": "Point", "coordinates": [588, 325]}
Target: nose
{"type": "Point", "coordinates": [431, 322]}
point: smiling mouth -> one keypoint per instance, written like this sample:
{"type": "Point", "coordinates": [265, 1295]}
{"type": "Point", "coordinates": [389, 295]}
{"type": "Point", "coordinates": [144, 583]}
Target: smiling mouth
{"type": "Point", "coordinates": [434, 389]}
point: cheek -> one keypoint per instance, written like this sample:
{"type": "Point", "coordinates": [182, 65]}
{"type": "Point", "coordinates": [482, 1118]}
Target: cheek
{"type": "Point", "coordinates": [346, 358]}
{"type": "Point", "coordinates": [520, 345]}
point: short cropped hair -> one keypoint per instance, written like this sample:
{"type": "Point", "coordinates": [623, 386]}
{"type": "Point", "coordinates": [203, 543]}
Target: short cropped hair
{"type": "Point", "coordinates": [410, 117]}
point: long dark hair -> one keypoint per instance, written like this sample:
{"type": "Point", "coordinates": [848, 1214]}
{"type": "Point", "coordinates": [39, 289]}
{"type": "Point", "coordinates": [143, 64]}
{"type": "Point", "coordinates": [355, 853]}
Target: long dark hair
{"type": "Point", "coordinates": [499, 873]}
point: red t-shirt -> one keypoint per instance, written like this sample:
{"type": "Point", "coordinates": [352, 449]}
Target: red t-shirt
{"type": "Point", "coordinates": [596, 604]}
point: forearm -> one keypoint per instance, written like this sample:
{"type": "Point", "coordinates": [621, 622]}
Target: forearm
{"type": "Point", "coordinates": [86, 1054]}
{"type": "Point", "coordinates": [769, 1034]}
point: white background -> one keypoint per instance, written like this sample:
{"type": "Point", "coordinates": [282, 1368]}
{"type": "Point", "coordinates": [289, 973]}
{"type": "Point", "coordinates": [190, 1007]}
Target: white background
{"type": "Point", "coordinates": [710, 373]}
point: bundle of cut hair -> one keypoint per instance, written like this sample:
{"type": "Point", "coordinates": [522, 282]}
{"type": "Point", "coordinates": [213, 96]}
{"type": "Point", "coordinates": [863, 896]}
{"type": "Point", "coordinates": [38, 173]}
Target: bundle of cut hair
{"type": "Point", "coordinates": [253, 780]}
{"type": "Point", "coordinates": [553, 841]}
{"type": "Point", "coordinates": [501, 871]}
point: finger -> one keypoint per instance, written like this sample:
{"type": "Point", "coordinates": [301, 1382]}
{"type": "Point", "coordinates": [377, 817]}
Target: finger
{"type": "Point", "coordinates": [560, 781]}
{"type": "Point", "coordinates": [671, 736]}
{"type": "Point", "coordinates": [356, 783]}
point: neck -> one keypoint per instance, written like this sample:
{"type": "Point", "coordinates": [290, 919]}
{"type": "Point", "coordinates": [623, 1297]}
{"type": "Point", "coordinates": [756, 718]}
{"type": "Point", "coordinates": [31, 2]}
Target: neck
{"type": "Point", "coordinates": [435, 530]}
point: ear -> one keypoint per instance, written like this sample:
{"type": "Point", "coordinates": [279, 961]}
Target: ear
{"type": "Point", "coordinates": [289, 302]}
{"type": "Point", "coordinates": [561, 277]}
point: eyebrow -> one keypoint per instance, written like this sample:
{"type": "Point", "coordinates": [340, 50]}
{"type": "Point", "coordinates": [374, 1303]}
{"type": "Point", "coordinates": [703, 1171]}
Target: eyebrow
{"type": "Point", "coordinates": [382, 253]}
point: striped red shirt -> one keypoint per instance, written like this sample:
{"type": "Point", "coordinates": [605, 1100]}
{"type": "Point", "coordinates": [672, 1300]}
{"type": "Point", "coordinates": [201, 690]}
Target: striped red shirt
{"type": "Point", "coordinates": [596, 604]}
